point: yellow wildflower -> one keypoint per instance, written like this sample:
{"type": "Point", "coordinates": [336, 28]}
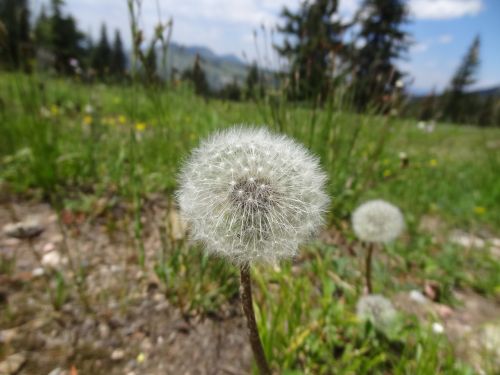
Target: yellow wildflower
{"type": "Point", "coordinates": [433, 162]}
{"type": "Point", "coordinates": [140, 126]}
{"type": "Point", "coordinates": [141, 358]}
{"type": "Point", "coordinates": [122, 119]}
{"type": "Point", "coordinates": [479, 210]}
{"type": "Point", "coordinates": [387, 173]}
{"type": "Point", "coordinates": [87, 120]}
{"type": "Point", "coordinates": [54, 109]}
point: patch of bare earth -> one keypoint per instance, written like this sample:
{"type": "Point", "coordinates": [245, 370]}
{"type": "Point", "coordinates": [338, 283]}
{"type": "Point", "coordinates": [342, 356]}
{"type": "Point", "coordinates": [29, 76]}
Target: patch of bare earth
{"type": "Point", "coordinates": [120, 322]}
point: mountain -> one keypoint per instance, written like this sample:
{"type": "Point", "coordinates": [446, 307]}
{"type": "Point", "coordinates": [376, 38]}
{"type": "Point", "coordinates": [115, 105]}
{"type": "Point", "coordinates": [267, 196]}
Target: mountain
{"type": "Point", "coordinates": [219, 69]}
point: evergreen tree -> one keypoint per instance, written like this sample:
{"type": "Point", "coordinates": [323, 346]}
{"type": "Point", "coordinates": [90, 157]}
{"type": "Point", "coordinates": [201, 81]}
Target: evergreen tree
{"type": "Point", "coordinates": [66, 39]}
{"type": "Point", "coordinates": [43, 29]}
{"type": "Point", "coordinates": [231, 91]}
{"type": "Point", "coordinates": [252, 81]}
{"type": "Point", "coordinates": [313, 40]}
{"type": "Point", "coordinates": [15, 43]}
{"type": "Point", "coordinates": [428, 107]}
{"type": "Point", "coordinates": [197, 76]}
{"type": "Point", "coordinates": [458, 104]}
{"type": "Point", "coordinates": [382, 41]}
{"type": "Point", "coordinates": [102, 54]}
{"type": "Point", "coordinates": [118, 59]}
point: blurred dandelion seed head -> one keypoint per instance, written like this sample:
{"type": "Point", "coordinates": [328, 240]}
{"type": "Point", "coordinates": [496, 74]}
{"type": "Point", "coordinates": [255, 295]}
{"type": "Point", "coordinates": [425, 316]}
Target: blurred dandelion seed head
{"type": "Point", "coordinates": [377, 221]}
{"type": "Point", "coordinates": [252, 196]}
{"type": "Point", "coordinates": [376, 309]}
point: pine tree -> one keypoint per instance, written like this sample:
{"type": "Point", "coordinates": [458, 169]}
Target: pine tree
{"type": "Point", "coordinates": [458, 104]}
{"type": "Point", "coordinates": [382, 41]}
{"type": "Point", "coordinates": [197, 76]}
{"type": "Point", "coordinates": [102, 54]}
{"type": "Point", "coordinates": [118, 59]}
{"type": "Point", "coordinates": [15, 46]}
{"type": "Point", "coordinates": [66, 39]}
{"type": "Point", "coordinates": [313, 41]}
{"type": "Point", "coordinates": [252, 81]}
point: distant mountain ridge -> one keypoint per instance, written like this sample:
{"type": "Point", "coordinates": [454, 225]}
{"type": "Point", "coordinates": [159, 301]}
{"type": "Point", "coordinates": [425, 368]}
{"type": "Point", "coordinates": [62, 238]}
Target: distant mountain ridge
{"type": "Point", "coordinates": [219, 69]}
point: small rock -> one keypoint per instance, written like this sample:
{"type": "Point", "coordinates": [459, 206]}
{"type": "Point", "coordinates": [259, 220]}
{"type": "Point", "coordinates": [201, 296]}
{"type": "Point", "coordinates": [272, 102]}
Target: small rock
{"type": "Point", "coordinates": [29, 228]}
{"type": "Point", "coordinates": [56, 371]}
{"type": "Point", "coordinates": [48, 247]}
{"type": "Point", "coordinates": [466, 240]}
{"type": "Point", "coordinates": [104, 330]}
{"type": "Point", "coordinates": [417, 296]}
{"type": "Point", "coordinates": [37, 272]}
{"type": "Point", "coordinates": [7, 335]}
{"type": "Point", "coordinates": [117, 355]}
{"type": "Point", "coordinates": [12, 364]}
{"type": "Point", "coordinates": [52, 259]}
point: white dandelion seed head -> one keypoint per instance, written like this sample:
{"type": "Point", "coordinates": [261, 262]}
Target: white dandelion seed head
{"type": "Point", "coordinates": [377, 221]}
{"type": "Point", "coordinates": [262, 198]}
{"type": "Point", "coordinates": [376, 309]}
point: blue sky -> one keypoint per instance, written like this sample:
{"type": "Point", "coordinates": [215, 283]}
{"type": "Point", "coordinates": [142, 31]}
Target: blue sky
{"type": "Point", "coordinates": [442, 30]}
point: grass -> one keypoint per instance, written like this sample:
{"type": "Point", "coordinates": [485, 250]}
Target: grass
{"type": "Point", "coordinates": [71, 143]}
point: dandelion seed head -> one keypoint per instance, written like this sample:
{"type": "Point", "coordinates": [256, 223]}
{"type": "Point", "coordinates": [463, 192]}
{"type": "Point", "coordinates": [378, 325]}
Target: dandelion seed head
{"type": "Point", "coordinates": [377, 221]}
{"type": "Point", "coordinates": [377, 309]}
{"type": "Point", "coordinates": [247, 213]}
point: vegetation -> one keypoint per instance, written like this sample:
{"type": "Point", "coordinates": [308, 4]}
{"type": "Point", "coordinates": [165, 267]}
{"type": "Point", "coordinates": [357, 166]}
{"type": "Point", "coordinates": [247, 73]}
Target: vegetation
{"type": "Point", "coordinates": [105, 153]}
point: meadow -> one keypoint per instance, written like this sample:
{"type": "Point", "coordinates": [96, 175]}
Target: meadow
{"type": "Point", "coordinates": [127, 292]}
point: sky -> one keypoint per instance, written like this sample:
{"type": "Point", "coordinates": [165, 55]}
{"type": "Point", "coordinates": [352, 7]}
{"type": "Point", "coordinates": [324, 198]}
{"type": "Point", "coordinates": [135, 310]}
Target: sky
{"type": "Point", "coordinates": [442, 30]}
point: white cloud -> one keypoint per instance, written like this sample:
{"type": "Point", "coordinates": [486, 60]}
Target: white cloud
{"type": "Point", "coordinates": [420, 47]}
{"type": "Point", "coordinates": [444, 9]}
{"type": "Point", "coordinates": [445, 39]}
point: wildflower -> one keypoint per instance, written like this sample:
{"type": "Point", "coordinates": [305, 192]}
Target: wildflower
{"type": "Point", "coordinates": [479, 210]}
{"type": "Point", "coordinates": [376, 309]}
{"type": "Point", "coordinates": [377, 221]}
{"type": "Point", "coordinates": [387, 173]}
{"type": "Point", "coordinates": [433, 162]}
{"type": "Point", "coordinates": [88, 109]}
{"type": "Point", "coordinates": [122, 119]}
{"type": "Point", "coordinates": [140, 126]}
{"type": "Point", "coordinates": [252, 196]}
{"type": "Point", "coordinates": [87, 120]}
{"type": "Point", "coordinates": [437, 328]}
{"type": "Point", "coordinates": [54, 110]}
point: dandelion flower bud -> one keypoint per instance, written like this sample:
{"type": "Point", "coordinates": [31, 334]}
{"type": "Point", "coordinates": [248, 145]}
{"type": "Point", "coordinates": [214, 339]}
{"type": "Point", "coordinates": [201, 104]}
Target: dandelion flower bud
{"type": "Point", "coordinates": [377, 221]}
{"type": "Point", "coordinates": [376, 309]}
{"type": "Point", "coordinates": [252, 196]}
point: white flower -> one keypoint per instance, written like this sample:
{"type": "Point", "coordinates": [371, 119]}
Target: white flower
{"type": "Point", "coordinates": [376, 309]}
{"type": "Point", "coordinates": [437, 328]}
{"type": "Point", "coordinates": [250, 195]}
{"type": "Point", "coordinates": [377, 221]}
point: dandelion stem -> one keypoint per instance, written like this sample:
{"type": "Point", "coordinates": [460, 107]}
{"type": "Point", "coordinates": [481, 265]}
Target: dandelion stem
{"type": "Point", "coordinates": [253, 332]}
{"type": "Point", "coordinates": [368, 271]}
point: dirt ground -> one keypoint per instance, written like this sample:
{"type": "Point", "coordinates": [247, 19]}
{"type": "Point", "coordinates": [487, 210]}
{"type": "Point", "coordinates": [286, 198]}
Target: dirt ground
{"type": "Point", "coordinates": [129, 327]}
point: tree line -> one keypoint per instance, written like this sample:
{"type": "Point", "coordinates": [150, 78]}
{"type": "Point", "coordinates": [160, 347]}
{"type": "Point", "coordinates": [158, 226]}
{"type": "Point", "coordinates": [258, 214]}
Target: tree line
{"type": "Point", "coordinates": [326, 55]}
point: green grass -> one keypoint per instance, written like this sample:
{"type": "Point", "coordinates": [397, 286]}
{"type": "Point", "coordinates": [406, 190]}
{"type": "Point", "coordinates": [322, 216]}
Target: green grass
{"type": "Point", "coordinates": [133, 143]}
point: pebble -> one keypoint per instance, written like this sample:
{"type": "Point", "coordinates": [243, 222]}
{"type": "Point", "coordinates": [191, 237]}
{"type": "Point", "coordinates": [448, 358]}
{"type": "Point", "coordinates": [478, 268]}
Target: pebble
{"type": "Point", "coordinates": [12, 364]}
{"type": "Point", "coordinates": [37, 272]}
{"type": "Point", "coordinates": [117, 355]}
{"type": "Point", "coordinates": [417, 296]}
{"type": "Point", "coordinates": [28, 228]}
{"type": "Point", "coordinates": [52, 259]}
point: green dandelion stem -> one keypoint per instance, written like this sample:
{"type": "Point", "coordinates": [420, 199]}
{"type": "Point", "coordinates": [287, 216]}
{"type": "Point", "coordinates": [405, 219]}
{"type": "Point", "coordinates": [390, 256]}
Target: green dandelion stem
{"type": "Point", "coordinates": [253, 332]}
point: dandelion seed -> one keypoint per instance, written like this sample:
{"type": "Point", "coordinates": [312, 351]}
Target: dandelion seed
{"type": "Point", "coordinates": [374, 222]}
{"type": "Point", "coordinates": [376, 309]}
{"type": "Point", "coordinates": [261, 217]}
{"type": "Point", "coordinates": [377, 221]}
